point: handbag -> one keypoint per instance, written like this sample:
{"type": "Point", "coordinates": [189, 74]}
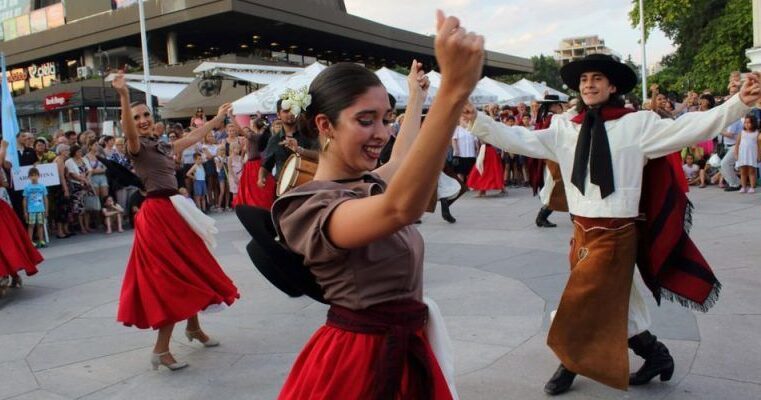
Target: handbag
{"type": "Point", "coordinates": [714, 160]}
{"type": "Point", "coordinates": [92, 203]}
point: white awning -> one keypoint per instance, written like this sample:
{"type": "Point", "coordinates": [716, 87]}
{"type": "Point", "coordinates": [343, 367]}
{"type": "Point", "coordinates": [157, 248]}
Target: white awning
{"type": "Point", "coordinates": [163, 91]}
{"type": "Point", "coordinates": [259, 78]}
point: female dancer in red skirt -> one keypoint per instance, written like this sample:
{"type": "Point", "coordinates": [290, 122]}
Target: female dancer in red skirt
{"type": "Point", "coordinates": [171, 274]}
{"type": "Point", "coordinates": [491, 175]}
{"type": "Point", "coordinates": [355, 230]}
{"type": "Point", "coordinates": [252, 191]}
{"type": "Point", "coordinates": [18, 252]}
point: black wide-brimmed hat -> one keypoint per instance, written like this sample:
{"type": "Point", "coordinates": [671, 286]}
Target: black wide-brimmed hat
{"type": "Point", "coordinates": [550, 98]}
{"type": "Point", "coordinates": [618, 73]}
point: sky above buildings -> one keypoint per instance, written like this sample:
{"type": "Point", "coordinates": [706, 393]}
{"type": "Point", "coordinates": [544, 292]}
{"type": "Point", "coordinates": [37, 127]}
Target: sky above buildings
{"type": "Point", "coordinates": [523, 28]}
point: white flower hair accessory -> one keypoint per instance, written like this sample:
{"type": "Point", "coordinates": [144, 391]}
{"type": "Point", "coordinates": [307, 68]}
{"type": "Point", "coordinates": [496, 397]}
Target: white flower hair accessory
{"type": "Point", "coordinates": [295, 100]}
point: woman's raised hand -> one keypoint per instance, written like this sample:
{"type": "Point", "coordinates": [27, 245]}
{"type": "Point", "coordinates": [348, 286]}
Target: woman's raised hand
{"type": "Point", "coordinates": [417, 80]}
{"type": "Point", "coordinates": [119, 84]}
{"type": "Point", "coordinates": [460, 55]}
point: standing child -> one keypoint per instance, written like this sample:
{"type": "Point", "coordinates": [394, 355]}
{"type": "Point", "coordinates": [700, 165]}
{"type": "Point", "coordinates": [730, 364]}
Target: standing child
{"type": "Point", "coordinates": [220, 163]}
{"type": "Point", "coordinates": [198, 174]}
{"type": "Point", "coordinates": [36, 207]}
{"type": "Point", "coordinates": [746, 152]}
{"type": "Point", "coordinates": [235, 168]}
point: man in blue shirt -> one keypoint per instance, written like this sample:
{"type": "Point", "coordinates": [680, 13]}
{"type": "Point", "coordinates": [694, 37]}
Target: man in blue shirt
{"type": "Point", "coordinates": [35, 206]}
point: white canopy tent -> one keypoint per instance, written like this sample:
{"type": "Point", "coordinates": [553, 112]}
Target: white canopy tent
{"type": "Point", "coordinates": [479, 96]}
{"type": "Point", "coordinates": [538, 89]}
{"type": "Point", "coordinates": [253, 73]}
{"type": "Point", "coordinates": [265, 99]}
{"type": "Point", "coordinates": [165, 88]}
{"type": "Point", "coordinates": [396, 85]}
{"type": "Point", "coordinates": [506, 94]}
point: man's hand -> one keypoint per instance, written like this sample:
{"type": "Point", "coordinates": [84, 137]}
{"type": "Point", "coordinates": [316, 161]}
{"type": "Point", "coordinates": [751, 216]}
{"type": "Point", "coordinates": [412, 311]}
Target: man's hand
{"type": "Point", "coordinates": [261, 182]}
{"type": "Point", "coordinates": [750, 93]}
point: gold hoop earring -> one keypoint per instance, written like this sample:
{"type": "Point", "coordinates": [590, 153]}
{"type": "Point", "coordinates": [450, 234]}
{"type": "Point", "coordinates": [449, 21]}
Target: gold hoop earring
{"type": "Point", "coordinates": [325, 146]}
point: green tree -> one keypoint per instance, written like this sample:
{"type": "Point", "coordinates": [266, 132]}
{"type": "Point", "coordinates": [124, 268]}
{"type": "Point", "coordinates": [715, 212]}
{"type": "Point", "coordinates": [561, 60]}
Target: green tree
{"type": "Point", "coordinates": [546, 70]}
{"type": "Point", "coordinates": [711, 36]}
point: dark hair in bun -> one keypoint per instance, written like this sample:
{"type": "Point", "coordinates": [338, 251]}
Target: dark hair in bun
{"type": "Point", "coordinates": [335, 89]}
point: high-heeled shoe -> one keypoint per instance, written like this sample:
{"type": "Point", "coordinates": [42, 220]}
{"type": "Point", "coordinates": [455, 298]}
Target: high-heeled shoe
{"type": "Point", "coordinates": [156, 361]}
{"type": "Point", "coordinates": [210, 342]}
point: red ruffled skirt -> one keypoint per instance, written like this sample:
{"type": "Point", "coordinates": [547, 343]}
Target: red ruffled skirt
{"type": "Point", "coordinates": [18, 252]}
{"type": "Point", "coordinates": [493, 176]}
{"type": "Point", "coordinates": [171, 275]}
{"type": "Point", "coordinates": [338, 364]}
{"type": "Point", "coordinates": [249, 193]}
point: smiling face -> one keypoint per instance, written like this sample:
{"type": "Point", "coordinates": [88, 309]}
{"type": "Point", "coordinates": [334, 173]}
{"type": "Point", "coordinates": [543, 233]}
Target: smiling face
{"type": "Point", "coordinates": [143, 120]}
{"type": "Point", "coordinates": [595, 88]}
{"type": "Point", "coordinates": [359, 133]}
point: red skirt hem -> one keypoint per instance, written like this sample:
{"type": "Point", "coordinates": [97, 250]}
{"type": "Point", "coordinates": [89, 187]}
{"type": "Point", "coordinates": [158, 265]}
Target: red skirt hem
{"type": "Point", "coordinates": [338, 364]}
{"type": "Point", "coordinates": [171, 274]}
{"type": "Point", "coordinates": [19, 253]}
{"type": "Point", "coordinates": [249, 193]}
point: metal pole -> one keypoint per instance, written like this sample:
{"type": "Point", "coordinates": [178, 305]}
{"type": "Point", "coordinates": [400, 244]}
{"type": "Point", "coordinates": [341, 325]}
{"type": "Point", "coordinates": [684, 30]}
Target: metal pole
{"type": "Point", "coordinates": [644, 53]}
{"type": "Point", "coordinates": [146, 66]}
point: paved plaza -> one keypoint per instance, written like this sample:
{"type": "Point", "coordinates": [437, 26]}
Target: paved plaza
{"type": "Point", "coordinates": [495, 276]}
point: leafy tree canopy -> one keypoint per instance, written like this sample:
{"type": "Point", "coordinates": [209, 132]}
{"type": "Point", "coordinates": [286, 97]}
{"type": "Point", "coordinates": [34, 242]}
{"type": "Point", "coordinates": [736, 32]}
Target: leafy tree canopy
{"type": "Point", "coordinates": [711, 37]}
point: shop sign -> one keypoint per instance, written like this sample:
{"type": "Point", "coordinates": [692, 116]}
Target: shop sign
{"type": "Point", "coordinates": [17, 75]}
{"type": "Point", "coordinates": [43, 70]}
{"type": "Point", "coordinates": [57, 100]}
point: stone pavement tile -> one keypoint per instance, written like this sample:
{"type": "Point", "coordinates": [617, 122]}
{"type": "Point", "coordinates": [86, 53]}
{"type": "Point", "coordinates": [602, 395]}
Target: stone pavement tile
{"type": "Point", "coordinates": [698, 387]}
{"type": "Point", "coordinates": [82, 378]}
{"type": "Point", "coordinates": [729, 347]}
{"type": "Point", "coordinates": [51, 355]}
{"type": "Point", "coordinates": [107, 310]}
{"type": "Point", "coordinates": [93, 294]}
{"type": "Point", "coordinates": [78, 268]}
{"type": "Point", "coordinates": [739, 292]}
{"type": "Point", "coordinates": [468, 255]}
{"type": "Point", "coordinates": [15, 379]}
{"type": "Point", "coordinates": [263, 334]}
{"type": "Point", "coordinates": [493, 330]}
{"type": "Point", "coordinates": [17, 346]}
{"type": "Point", "coordinates": [479, 293]}
{"type": "Point", "coordinates": [40, 395]}
{"type": "Point", "coordinates": [24, 317]}
{"type": "Point", "coordinates": [471, 356]}
{"type": "Point", "coordinates": [255, 377]}
{"type": "Point", "coordinates": [671, 320]}
{"type": "Point", "coordinates": [87, 328]}
{"type": "Point", "coordinates": [532, 264]}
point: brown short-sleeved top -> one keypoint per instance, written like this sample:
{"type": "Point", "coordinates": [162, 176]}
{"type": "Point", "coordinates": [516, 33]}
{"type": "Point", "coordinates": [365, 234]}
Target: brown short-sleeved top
{"type": "Point", "coordinates": [385, 270]}
{"type": "Point", "coordinates": [154, 164]}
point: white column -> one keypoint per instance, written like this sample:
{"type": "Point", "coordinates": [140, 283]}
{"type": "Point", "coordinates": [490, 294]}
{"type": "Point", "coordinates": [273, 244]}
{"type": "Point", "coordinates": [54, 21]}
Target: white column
{"type": "Point", "coordinates": [172, 54]}
{"type": "Point", "coordinates": [754, 54]}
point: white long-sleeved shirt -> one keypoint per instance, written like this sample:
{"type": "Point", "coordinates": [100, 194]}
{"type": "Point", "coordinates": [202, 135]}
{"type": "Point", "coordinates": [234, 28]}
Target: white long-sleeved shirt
{"type": "Point", "coordinates": [634, 138]}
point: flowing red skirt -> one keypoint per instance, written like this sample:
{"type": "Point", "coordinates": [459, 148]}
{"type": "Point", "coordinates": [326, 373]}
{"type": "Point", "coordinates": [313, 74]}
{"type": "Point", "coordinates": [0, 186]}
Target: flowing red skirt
{"type": "Point", "coordinates": [18, 252]}
{"type": "Point", "coordinates": [171, 275]}
{"type": "Point", "coordinates": [249, 193]}
{"type": "Point", "coordinates": [337, 364]}
{"type": "Point", "coordinates": [493, 176]}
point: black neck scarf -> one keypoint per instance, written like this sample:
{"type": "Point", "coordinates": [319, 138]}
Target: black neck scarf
{"type": "Point", "coordinates": [593, 149]}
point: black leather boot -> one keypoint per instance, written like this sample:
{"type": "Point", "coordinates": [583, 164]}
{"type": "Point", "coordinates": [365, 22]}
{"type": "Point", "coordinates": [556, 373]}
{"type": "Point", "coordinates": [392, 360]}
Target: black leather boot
{"type": "Point", "coordinates": [658, 361]}
{"type": "Point", "coordinates": [560, 382]}
{"type": "Point", "coordinates": [541, 218]}
{"type": "Point", "coordinates": [445, 211]}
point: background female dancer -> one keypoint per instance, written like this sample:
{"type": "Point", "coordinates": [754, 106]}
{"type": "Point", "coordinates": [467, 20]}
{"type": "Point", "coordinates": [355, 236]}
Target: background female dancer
{"type": "Point", "coordinates": [18, 252]}
{"type": "Point", "coordinates": [171, 274]}
{"type": "Point", "coordinates": [355, 231]}
{"type": "Point", "coordinates": [251, 190]}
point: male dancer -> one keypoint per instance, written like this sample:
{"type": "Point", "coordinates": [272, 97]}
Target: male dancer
{"type": "Point", "coordinates": [603, 178]}
{"type": "Point", "coordinates": [552, 193]}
